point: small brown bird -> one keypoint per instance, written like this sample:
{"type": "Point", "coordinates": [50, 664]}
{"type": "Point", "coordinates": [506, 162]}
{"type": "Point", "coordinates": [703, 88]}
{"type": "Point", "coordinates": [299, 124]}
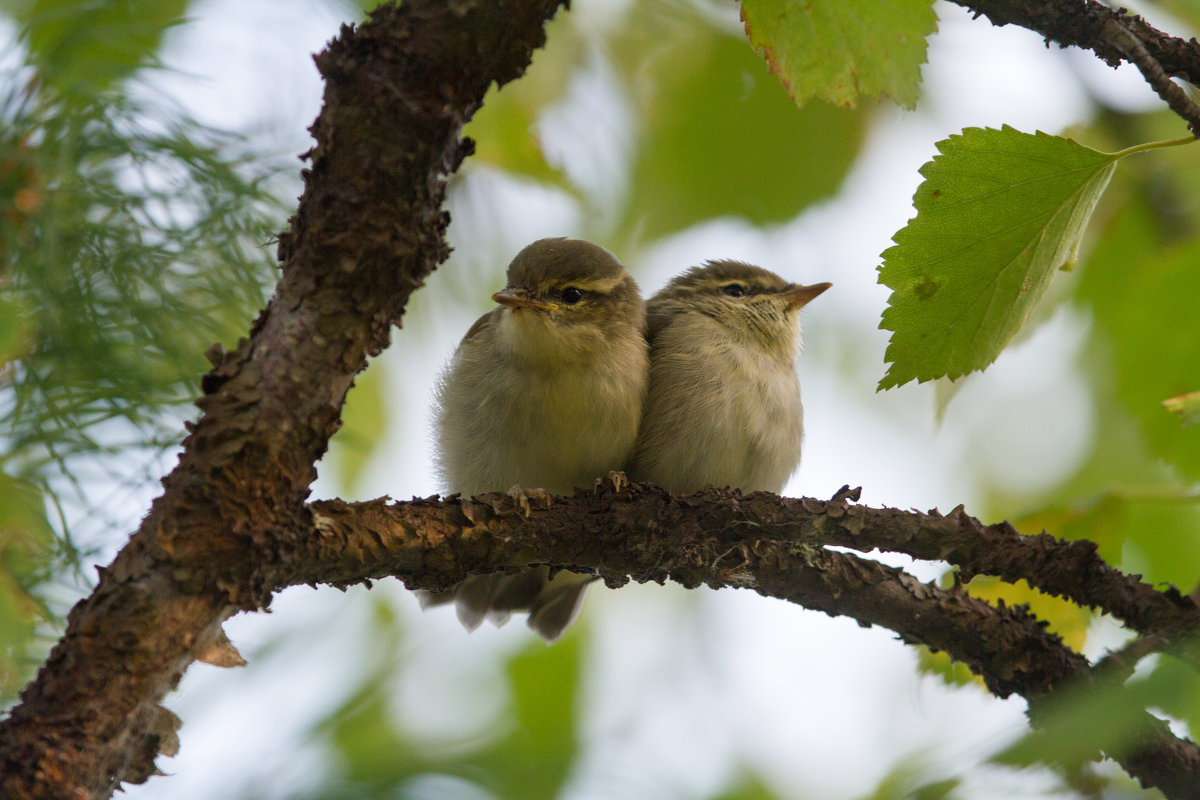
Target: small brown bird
{"type": "Point", "coordinates": [724, 402]}
{"type": "Point", "coordinates": [545, 392]}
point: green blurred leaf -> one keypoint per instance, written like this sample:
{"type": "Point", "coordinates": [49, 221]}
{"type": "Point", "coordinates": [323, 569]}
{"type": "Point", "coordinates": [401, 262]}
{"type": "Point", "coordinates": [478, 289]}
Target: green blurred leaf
{"type": "Point", "coordinates": [1143, 302]}
{"type": "Point", "coordinates": [82, 47]}
{"type": "Point", "coordinates": [1080, 721]}
{"type": "Point", "coordinates": [1187, 10]}
{"type": "Point", "coordinates": [14, 327]}
{"type": "Point", "coordinates": [534, 762]}
{"type": "Point", "coordinates": [998, 212]}
{"type": "Point", "coordinates": [527, 757]}
{"type": "Point", "coordinates": [748, 786]}
{"type": "Point", "coordinates": [953, 673]}
{"type": "Point", "coordinates": [720, 137]}
{"type": "Point", "coordinates": [1147, 528]}
{"type": "Point", "coordinates": [1174, 687]}
{"type": "Point", "coordinates": [364, 427]}
{"type": "Point", "coordinates": [26, 545]}
{"type": "Point", "coordinates": [909, 780]}
{"type": "Point", "coordinates": [372, 751]}
{"type": "Point", "coordinates": [839, 49]}
{"type": "Point", "coordinates": [504, 129]}
{"type": "Point", "coordinates": [1078, 725]}
{"type": "Point", "coordinates": [1186, 406]}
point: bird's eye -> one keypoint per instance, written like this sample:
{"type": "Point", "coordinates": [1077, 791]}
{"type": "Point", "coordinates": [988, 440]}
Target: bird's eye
{"type": "Point", "coordinates": [572, 295]}
{"type": "Point", "coordinates": [733, 290]}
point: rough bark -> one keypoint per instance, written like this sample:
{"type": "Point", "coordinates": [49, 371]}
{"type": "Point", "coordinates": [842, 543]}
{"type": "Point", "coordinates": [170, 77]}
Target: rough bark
{"type": "Point", "coordinates": [368, 230]}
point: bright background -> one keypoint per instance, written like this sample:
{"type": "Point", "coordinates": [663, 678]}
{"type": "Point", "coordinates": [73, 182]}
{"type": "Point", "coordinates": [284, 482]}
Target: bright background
{"type": "Point", "coordinates": [624, 133]}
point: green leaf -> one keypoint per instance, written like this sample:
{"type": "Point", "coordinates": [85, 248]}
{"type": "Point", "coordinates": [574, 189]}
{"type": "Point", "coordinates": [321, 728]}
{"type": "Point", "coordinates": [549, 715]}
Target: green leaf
{"type": "Point", "coordinates": [720, 137]}
{"type": "Point", "coordinates": [529, 754]}
{"type": "Point", "coordinates": [1142, 300]}
{"type": "Point", "coordinates": [998, 212]}
{"type": "Point", "coordinates": [504, 128]}
{"type": "Point", "coordinates": [26, 546]}
{"type": "Point", "coordinates": [14, 328]}
{"type": "Point", "coordinates": [364, 427]}
{"type": "Point", "coordinates": [82, 47]}
{"type": "Point", "coordinates": [1187, 406]}
{"type": "Point", "coordinates": [748, 786]}
{"type": "Point", "coordinates": [1078, 722]}
{"type": "Point", "coordinates": [534, 762]}
{"type": "Point", "coordinates": [839, 49]}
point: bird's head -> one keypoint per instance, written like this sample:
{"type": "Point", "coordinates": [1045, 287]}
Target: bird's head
{"type": "Point", "coordinates": [754, 303]}
{"type": "Point", "coordinates": [567, 299]}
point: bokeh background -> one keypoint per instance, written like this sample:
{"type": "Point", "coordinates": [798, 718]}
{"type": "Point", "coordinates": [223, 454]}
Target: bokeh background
{"type": "Point", "coordinates": [146, 161]}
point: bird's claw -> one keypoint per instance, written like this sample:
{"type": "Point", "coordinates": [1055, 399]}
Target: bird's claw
{"type": "Point", "coordinates": [614, 476]}
{"type": "Point", "coordinates": [521, 498]}
{"type": "Point", "coordinates": [846, 493]}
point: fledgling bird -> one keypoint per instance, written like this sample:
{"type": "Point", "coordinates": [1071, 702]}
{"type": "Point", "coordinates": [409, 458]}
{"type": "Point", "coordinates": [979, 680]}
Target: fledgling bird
{"type": "Point", "coordinates": [724, 402]}
{"type": "Point", "coordinates": [545, 392]}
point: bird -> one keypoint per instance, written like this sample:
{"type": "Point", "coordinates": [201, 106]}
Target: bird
{"type": "Point", "coordinates": [544, 394]}
{"type": "Point", "coordinates": [723, 407]}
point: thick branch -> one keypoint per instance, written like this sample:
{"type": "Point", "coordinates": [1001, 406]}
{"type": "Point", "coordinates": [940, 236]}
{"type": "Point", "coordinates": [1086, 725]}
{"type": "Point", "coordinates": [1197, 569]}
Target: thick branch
{"type": "Point", "coordinates": [368, 230]}
{"type": "Point", "coordinates": [769, 544]}
{"type": "Point", "coordinates": [1111, 34]}
{"type": "Point", "coordinates": [716, 539]}
{"type": "Point", "coordinates": [1070, 569]}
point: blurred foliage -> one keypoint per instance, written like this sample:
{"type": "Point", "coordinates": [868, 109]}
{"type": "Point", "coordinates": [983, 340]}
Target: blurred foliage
{"type": "Point", "coordinates": [505, 128]}
{"type": "Point", "coordinates": [365, 424]}
{"type": "Point", "coordinates": [1082, 721]}
{"type": "Point", "coordinates": [1142, 290]}
{"type": "Point", "coordinates": [909, 780]}
{"type": "Point", "coordinates": [718, 134]}
{"type": "Point", "coordinates": [131, 239]}
{"type": "Point", "coordinates": [26, 549]}
{"type": "Point", "coordinates": [82, 48]}
{"type": "Point", "coordinates": [839, 50]}
{"type": "Point", "coordinates": [528, 754]}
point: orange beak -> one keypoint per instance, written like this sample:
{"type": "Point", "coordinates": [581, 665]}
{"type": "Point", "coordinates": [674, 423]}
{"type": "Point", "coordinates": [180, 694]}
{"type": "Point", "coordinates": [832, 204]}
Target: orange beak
{"type": "Point", "coordinates": [519, 298]}
{"type": "Point", "coordinates": [800, 296]}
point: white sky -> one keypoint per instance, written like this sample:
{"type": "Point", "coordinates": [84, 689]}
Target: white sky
{"type": "Point", "coordinates": [679, 685]}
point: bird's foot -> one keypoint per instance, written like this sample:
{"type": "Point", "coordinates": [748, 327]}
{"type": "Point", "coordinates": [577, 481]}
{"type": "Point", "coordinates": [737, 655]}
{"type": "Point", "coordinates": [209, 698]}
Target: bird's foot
{"type": "Point", "coordinates": [846, 493]}
{"type": "Point", "coordinates": [614, 476]}
{"type": "Point", "coordinates": [521, 498]}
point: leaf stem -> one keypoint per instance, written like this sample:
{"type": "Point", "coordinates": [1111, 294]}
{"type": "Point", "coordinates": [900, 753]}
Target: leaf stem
{"type": "Point", "coordinates": [1139, 148]}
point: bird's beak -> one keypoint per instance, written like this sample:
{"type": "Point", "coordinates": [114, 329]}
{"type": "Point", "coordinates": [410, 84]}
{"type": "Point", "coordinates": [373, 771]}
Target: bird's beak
{"type": "Point", "coordinates": [519, 298]}
{"type": "Point", "coordinates": [799, 296]}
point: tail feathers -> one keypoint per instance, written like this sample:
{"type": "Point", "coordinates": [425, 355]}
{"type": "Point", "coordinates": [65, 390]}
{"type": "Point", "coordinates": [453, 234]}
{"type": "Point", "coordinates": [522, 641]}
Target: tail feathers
{"type": "Point", "coordinates": [473, 599]}
{"type": "Point", "coordinates": [429, 599]}
{"type": "Point", "coordinates": [558, 604]}
{"type": "Point", "coordinates": [552, 603]}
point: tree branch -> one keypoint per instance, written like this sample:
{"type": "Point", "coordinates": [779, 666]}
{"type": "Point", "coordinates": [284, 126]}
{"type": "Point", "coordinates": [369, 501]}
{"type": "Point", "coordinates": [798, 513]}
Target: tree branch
{"type": "Point", "coordinates": [368, 230]}
{"type": "Point", "coordinates": [772, 545]}
{"type": "Point", "coordinates": [1113, 35]}
{"type": "Point", "coordinates": [1068, 569]}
